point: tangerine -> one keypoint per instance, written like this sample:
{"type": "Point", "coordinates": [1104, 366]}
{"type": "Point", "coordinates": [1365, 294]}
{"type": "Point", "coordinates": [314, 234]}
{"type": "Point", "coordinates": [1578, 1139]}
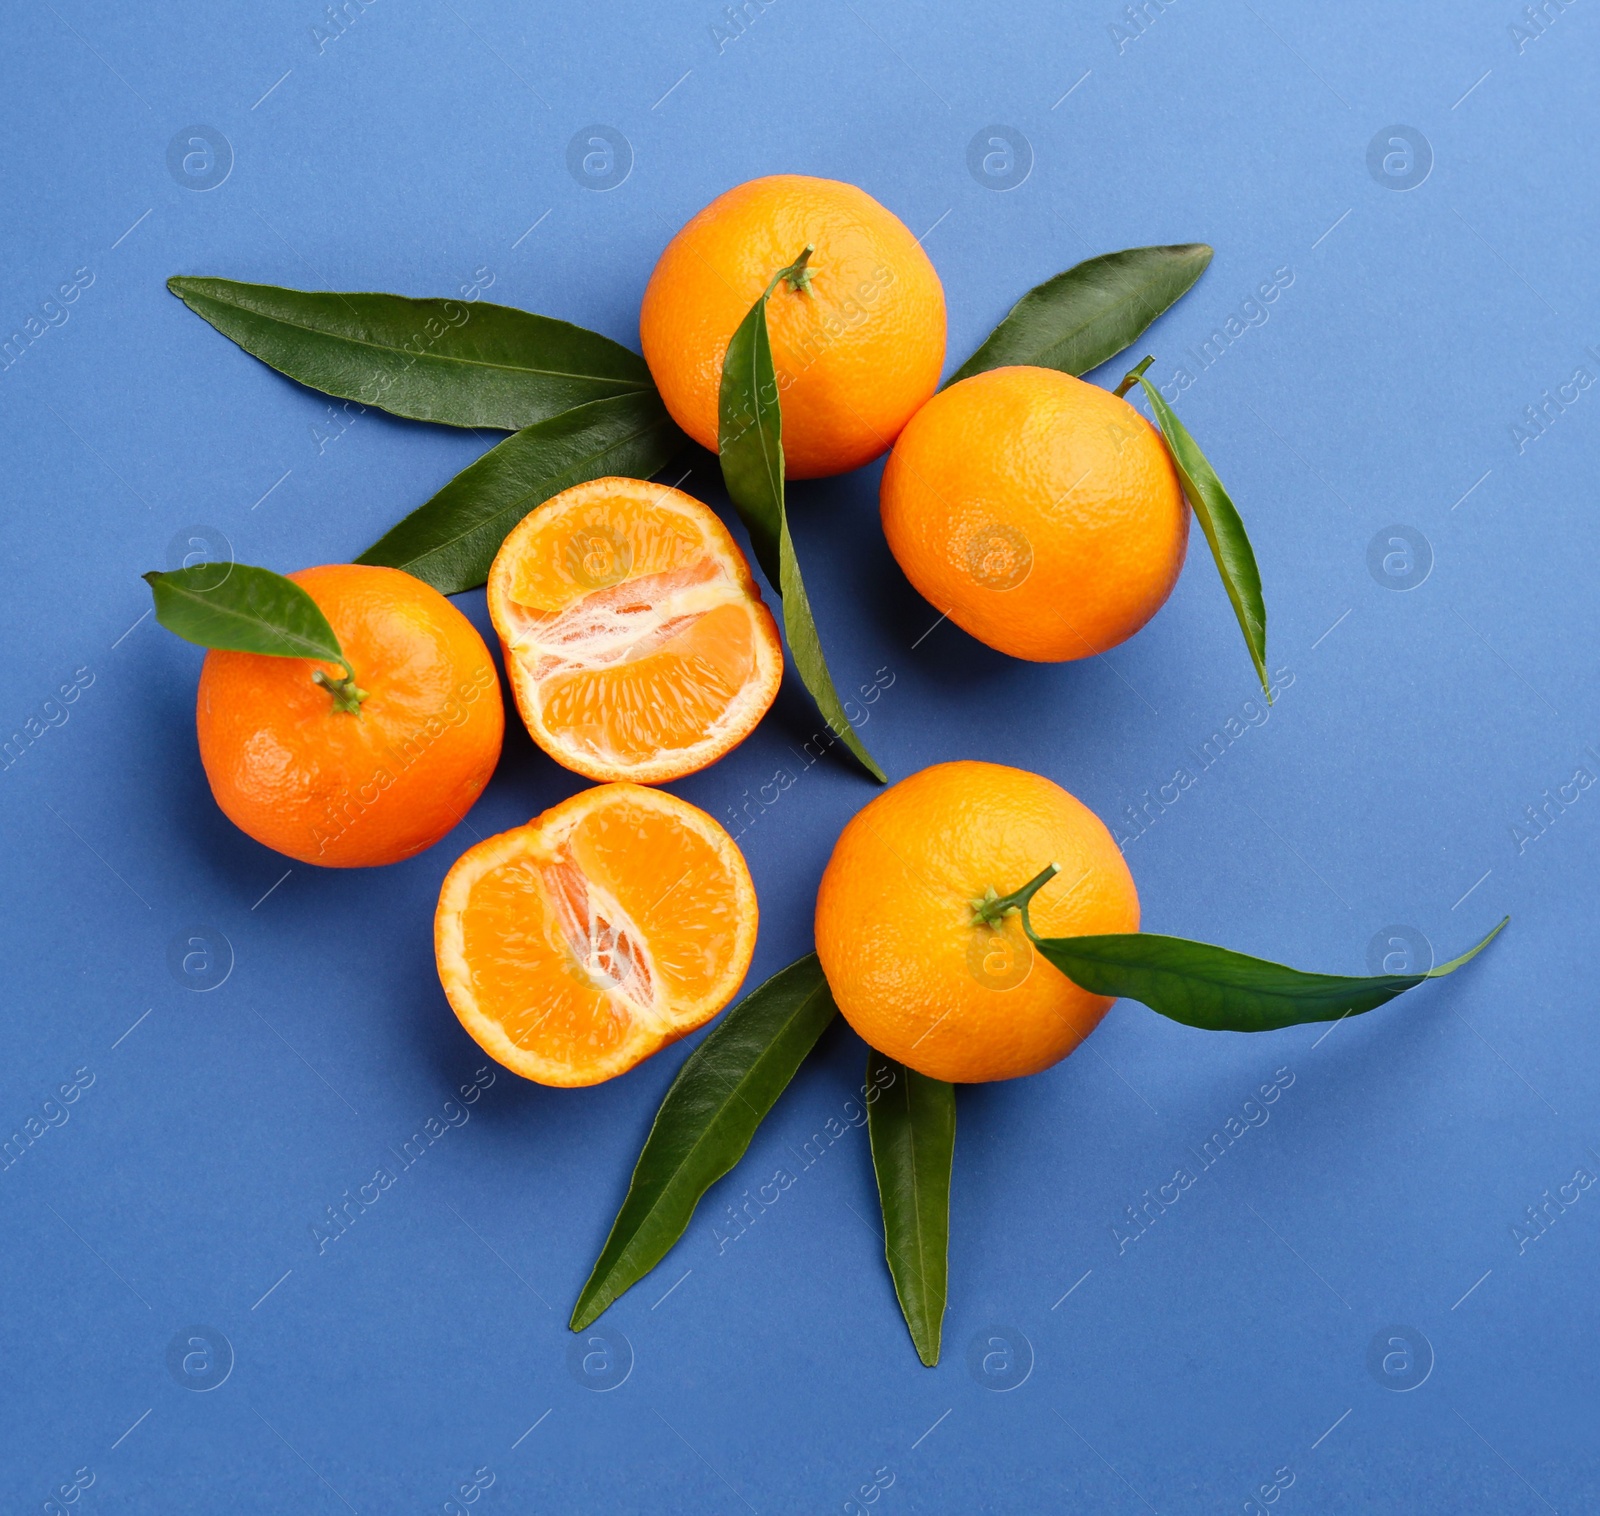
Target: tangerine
{"type": "Point", "coordinates": [918, 974]}
{"type": "Point", "coordinates": [857, 338]}
{"type": "Point", "coordinates": [295, 767]}
{"type": "Point", "coordinates": [637, 643]}
{"type": "Point", "coordinates": [577, 945]}
{"type": "Point", "coordinates": [1040, 513]}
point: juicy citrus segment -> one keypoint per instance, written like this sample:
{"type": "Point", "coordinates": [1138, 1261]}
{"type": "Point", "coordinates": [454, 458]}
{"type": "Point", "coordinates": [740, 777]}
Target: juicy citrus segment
{"type": "Point", "coordinates": [575, 946]}
{"type": "Point", "coordinates": [665, 700]}
{"type": "Point", "coordinates": [606, 536]}
{"type": "Point", "coordinates": [668, 884]}
{"type": "Point", "coordinates": [563, 952]}
{"type": "Point", "coordinates": [637, 642]}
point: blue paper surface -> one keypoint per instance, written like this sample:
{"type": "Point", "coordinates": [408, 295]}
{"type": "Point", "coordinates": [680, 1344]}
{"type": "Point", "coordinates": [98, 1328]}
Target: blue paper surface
{"type": "Point", "coordinates": [1351, 1308]}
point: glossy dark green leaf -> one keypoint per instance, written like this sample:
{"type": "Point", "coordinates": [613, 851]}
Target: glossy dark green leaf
{"type": "Point", "coordinates": [1219, 520]}
{"type": "Point", "coordinates": [1087, 315]}
{"type": "Point", "coordinates": [710, 1113]}
{"type": "Point", "coordinates": [463, 363]}
{"type": "Point", "coordinates": [750, 445]}
{"type": "Point", "coordinates": [244, 609]}
{"type": "Point", "coordinates": [750, 438]}
{"type": "Point", "coordinates": [452, 540]}
{"type": "Point", "coordinates": [805, 647]}
{"type": "Point", "coordinates": [912, 1124]}
{"type": "Point", "coordinates": [1220, 990]}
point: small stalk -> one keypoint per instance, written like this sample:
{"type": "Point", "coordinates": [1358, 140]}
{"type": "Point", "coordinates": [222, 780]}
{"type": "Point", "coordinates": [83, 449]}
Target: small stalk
{"type": "Point", "coordinates": [992, 908]}
{"type": "Point", "coordinates": [347, 695]}
{"type": "Point", "coordinates": [1132, 377]}
{"type": "Point", "coordinates": [797, 273]}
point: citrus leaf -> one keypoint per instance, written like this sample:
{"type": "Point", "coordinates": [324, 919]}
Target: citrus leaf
{"type": "Point", "coordinates": [1219, 520]}
{"type": "Point", "coordinates": [750, 446]}
{"type": "Point", "coordinates": [805, 647]}
{"type": "Point", "coordinates": [1220, 990]}
{"type": "Point", "coordinates": [912, 1125]}
{"type": "Point", "coordinates": [246, 610]}
{"type": "Point", "coordinates": [452, 539]}
{"type": "Point", "coordinates": [750, 438]}
{"type": "Point", "coordinates": [462, 363]}
{"type": "Point", "coordinates": [710, 1113]}
{"type": "Point", "coordinates": [1081, 318]}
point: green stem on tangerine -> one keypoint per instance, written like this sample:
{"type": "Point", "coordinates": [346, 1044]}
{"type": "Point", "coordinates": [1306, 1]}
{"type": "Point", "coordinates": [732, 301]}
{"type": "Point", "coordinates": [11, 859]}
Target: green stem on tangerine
{"type": "Point", "coordinates": [347, 695]}
{"type": "Point", "coordinates": [1132, 377]}
{"type": "Point", "coordinates": [797, 273]}
{"type": "Point", "coordinates": [992, 907]}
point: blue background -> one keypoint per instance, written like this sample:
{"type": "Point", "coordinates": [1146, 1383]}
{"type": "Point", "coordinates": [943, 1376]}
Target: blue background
{"type": "Point", "coordinates": [413, 152]}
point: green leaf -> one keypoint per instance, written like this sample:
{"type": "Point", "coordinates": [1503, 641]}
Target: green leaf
{"type": "Point", "coordinates": [1220, 990]}
{"type": "Point", "coordinates": [750, 445]}
{"type": "Point", "coordinates": [1081, 318]}
{"type": "Point", "coordinates": [1219, 520]}
{"type": "Point", "coordinates": [750, 438]}
{"type": "Point", "coordinates": [451, 541]}
{"type": "Point", "coordinates": [246, 610]}
{"type": "Point", "coordinates": [805, 647]}
{"type": "Point", "coordinates": [912, 1124]}
{"type": "Point", "coordinates": [457, 362]}
{"type": "Point", "coordinates": [722, 1092]}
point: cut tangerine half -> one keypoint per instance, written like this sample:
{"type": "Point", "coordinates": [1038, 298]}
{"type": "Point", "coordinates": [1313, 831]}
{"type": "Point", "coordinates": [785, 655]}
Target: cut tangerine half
{"type": "Point", "coordinates": [637, 643]}
{"type": "Point", "coordinates": [576, 946]}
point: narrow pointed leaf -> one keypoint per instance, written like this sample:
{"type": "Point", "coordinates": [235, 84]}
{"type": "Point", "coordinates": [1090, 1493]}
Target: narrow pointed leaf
{"type": "Point", "coordinates": [452, 539]}
{"type": "Point", "coordinates": [912, 1125]}
{"type": "Point", "coordinates": [750, 438]}
{"type": "Point", "coordinates": [1087, 315]}
{"type": "Point", "coordinates": [1219, 520]}
{"type": "Point", "coordinates": [1220, 990]}
{"type": "Point", "coordinates": [806, 649]}
{"type": "Point", "coordinates": [750, 445]}
{"type": "Point", "coordinates": [462, 363]}
{"type": "Point", "coordinates": [246, 610]}
{"type": "Point", "coordinates": [723, 1091]}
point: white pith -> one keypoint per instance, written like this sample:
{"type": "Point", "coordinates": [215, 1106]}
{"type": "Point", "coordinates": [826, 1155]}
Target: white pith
{"type": "Point", "coordinates": [605, 943]}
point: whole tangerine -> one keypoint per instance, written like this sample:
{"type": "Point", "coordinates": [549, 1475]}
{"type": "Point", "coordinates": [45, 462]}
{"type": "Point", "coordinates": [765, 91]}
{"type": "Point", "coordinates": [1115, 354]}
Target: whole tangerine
{"type": "Point", "coordinates": [913, 967]}
{"type": "Point", "coordinates": [857, 338]}
{"type": "Point", "coordinates": [352, 777]}
{"type": "Point", "coordinates": [1041, 514]}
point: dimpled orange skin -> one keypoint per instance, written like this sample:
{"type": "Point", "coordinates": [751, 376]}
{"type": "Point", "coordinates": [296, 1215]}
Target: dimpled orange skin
{"type": "Point", "coordinates": [856, 354]}
{"type": "Point", "coordinates": [323, 786]}
{"type": "Point", "coordinates": [909, 969]}
{"type": "Point", "coordinates": [1040, 513]}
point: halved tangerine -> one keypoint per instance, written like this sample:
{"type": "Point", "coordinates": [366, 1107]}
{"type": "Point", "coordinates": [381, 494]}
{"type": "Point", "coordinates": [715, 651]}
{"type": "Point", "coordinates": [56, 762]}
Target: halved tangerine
{"type": "Point", "coordinates": [637, 643]}
{"type": "Point", "coordinates": [576, 946]}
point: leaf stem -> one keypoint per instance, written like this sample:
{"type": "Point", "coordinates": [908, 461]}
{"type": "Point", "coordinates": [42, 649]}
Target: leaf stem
{"type": "Point", "coordinates": [797, 273]}
{"type": "Point", "coordinates": [991, 908]}
{"type": "Point", "coordinates": [347, 695]}
{"type": "Point", "coordinates": [1132, 377]}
